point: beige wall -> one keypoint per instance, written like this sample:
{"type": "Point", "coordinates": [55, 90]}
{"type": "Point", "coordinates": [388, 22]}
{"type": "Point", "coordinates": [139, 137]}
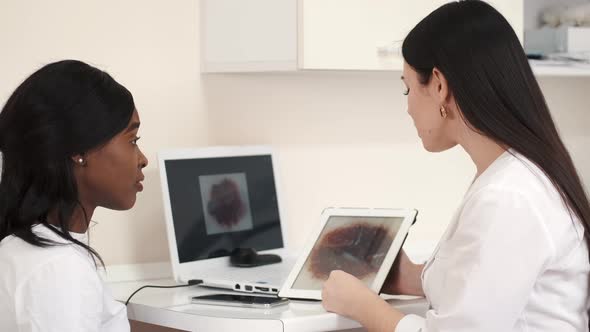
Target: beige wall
{"type": "Point", "coordinates": [343, 138]}
{"type": "Point", "coordinates": [151, 47]}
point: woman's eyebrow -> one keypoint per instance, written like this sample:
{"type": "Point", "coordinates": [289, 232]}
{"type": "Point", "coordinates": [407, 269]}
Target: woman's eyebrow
{"type": "Point", "coordinates": [133, 126]}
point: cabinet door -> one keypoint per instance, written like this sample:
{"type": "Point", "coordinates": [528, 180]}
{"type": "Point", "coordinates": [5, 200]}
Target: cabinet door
{"type": "Point", "coordinates": [248, 35]}
{"type": "Point", "coordinates": [367, 35]}
{"type": "Point", "coordinates": [279, 35]}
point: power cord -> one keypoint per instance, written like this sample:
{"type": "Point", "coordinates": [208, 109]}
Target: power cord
{"type": "Point", "coordinates": [192, 282]}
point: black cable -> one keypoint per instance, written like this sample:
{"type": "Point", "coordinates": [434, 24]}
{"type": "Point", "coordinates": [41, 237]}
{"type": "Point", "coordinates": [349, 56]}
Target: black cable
{"type": "Point", "coordinates": [192, 282]}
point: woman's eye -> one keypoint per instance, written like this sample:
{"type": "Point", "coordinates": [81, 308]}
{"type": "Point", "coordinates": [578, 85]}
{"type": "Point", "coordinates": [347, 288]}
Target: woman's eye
{"type": "Point", "coordinates": [134, 142]}
{"type": "Point", "coordinates": [406, 91]}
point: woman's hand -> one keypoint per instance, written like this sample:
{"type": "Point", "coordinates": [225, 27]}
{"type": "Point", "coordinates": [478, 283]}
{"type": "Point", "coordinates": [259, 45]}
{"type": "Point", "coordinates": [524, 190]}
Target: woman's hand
{"type": "Point", "coordinates": [344, 294]}
{"type": "Point", "coordinates": [348, 296]}
{"type": "Point", "coordinates": [404, 277]}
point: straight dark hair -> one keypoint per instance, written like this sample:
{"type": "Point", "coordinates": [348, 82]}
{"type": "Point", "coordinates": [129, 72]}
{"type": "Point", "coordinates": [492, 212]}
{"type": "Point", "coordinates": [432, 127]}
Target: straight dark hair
{"type": "Point", "coordinates": [478, 52]}
{"type": "Point", "coordinates": [63, 109]}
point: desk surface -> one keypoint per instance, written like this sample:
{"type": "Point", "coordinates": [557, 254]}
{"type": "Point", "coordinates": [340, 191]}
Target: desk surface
{"type": "Point", "coordinates": [172, 308]}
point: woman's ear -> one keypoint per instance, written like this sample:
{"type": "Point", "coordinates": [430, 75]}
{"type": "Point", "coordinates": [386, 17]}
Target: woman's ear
{"type": "Point", "coordinates": [441, 86]}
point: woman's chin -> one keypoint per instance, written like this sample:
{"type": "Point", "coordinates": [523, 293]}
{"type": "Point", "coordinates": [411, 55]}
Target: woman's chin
{"type": "Point", "coordinates": [123, 205]}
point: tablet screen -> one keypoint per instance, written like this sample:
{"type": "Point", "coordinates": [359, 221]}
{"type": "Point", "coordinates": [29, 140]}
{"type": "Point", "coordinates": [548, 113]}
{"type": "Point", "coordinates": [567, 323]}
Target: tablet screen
{"type": "Point", "coordinates": [356, 245]}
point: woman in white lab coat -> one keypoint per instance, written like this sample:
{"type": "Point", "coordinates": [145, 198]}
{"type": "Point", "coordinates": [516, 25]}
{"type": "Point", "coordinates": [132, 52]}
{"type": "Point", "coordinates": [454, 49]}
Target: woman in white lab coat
{"type": "Point", "coordinates": [68, 137]}
{"type": "Point", "coordinates": [515, 255]}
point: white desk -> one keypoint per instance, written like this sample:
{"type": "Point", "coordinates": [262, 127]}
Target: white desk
{"type": "Point", "coordinates": [172, 308]}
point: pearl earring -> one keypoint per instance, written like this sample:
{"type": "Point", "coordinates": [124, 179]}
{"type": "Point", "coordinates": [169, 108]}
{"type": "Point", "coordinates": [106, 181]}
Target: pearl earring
{"type": "Point", "coordinates": [81, 161]}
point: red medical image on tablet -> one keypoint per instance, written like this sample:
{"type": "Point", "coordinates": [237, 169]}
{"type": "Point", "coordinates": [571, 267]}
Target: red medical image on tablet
{"type": "Point", "coordinates": [356, 245]}
{"type": "Point", "coordinates": [356, 249]}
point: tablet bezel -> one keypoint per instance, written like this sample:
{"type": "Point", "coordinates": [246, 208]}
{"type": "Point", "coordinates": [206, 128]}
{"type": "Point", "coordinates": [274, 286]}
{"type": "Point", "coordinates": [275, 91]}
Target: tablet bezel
{"type": "Point", "coordinates": [408, 215]}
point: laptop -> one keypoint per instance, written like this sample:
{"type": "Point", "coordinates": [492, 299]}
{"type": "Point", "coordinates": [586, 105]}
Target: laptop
{"type": "Point", "coordinates": [217, 199]}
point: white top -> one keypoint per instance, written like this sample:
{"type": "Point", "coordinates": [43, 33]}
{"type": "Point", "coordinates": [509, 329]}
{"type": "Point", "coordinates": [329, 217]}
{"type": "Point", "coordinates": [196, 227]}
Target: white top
{"type": "Point", "coordinates": [511, 259]}
{"type": "Point", "coordinates": [54, 288]}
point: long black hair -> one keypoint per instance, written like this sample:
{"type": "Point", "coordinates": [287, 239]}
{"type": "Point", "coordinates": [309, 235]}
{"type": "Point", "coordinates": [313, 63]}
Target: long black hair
{"type": "Point", "coordinates": [486, 68]}
{"type": "Point", "coordinates": [64, 109]}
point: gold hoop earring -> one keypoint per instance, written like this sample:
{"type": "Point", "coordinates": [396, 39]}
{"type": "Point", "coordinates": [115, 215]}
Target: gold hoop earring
{"type": "Point", "coordinates": [443, 112]}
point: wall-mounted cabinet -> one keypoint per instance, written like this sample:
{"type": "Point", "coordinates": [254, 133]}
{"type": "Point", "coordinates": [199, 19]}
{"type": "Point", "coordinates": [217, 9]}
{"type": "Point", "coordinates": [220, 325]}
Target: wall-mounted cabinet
{"type": "Point", "coordinates": [289, 35]}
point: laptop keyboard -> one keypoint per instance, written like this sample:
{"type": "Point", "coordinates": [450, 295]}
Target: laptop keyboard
{"type": "Point", "coordinates": [273, 274]}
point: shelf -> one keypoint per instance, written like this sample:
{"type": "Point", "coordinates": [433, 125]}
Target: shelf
{"type": "Point", "coordinates": [561, 70]}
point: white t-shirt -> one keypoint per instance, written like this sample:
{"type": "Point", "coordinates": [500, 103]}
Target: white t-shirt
{"type": "Point", "coordinates": [55, 288]}
{"type": "Point", "coordinates": [512, 259]}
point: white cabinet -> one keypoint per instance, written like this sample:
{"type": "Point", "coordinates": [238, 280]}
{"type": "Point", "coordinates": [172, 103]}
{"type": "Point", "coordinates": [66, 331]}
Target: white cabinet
{"type": "Point", "coordinates": [288, 35]}
{"type": "Point", "coordinates": [248, 35]}
{"type": "Point", "coordinates": [356, 34]}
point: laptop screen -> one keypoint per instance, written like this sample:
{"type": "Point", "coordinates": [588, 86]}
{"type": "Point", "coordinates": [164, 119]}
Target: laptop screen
{"type": "Point", "coordinates": [222, 203]}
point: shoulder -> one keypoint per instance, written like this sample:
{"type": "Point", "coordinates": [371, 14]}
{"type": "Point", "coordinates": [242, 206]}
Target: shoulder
{"type": "Point", "coordinates": [63, 292]}
{"type": "Point", "coordinates": [514, 181]}
{"type": "Point", "coordinates": [520, 198]}
{"type": "Point", "coordinates": [23, 264]}
{"type": "Point", "coordinates": [67, 268]}
{"type": "Point", "coordinates": [65, 280]}
{"type": "Point", "coordinates": [514, 173]}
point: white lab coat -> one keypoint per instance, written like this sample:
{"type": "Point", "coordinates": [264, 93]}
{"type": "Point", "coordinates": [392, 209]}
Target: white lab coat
{"type": "Point", "coordinates": [54, 289]}
{"type": "Point", "coordinates": [512, 259]}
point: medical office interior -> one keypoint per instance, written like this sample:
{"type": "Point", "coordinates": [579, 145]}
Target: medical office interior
{"type": "Point", "coordinates": [336, 120]}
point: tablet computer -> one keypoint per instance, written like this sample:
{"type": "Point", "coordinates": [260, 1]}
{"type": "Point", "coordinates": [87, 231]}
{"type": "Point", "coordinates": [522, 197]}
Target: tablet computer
{"type": "Point", "coordinates": [362, 242]}
{"type": "Point", "coordinates": [239, 300]}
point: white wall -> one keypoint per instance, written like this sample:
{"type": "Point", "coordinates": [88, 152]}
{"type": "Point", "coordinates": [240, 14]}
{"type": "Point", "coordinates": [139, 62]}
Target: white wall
{"type": "Point", "coordinates": [343, 138]}
{"type": "Point", "coordinates": [151, 47]}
